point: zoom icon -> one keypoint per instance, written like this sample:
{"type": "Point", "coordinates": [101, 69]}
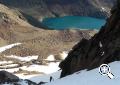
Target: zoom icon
{"type": "Point", "coordinates": [105, 70]}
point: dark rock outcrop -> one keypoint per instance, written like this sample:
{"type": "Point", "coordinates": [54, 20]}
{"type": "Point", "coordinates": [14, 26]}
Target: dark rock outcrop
{"type": "Point", "coordinates": [104, 47]}
{"type": "Point", "coordinates": [7, 77]}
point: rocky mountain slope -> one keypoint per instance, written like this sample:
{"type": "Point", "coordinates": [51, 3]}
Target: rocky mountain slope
{"type": "Point", "coordinates": [51, 8]}
{"type": "Point", "coordinates": [102, 48]}
{"type": "Point", "coordinates": [12, 16]}
{"type": "Point", "coordinates": [14, 27]}
{"type": "Point", "coordinates": [9, 18]}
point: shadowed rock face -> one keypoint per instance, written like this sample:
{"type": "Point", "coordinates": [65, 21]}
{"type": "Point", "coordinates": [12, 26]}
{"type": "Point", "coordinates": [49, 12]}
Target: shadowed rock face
{"type": "Point", "coordinates": [48, 8]}
{"type": "Point", "coordinates": [104, 47]}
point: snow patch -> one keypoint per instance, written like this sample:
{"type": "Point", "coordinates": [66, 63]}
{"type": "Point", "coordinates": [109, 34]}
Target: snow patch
{"type": "Point", "coordinates": [28, 58]}
{"type": "Point", "coordinates": [2, 49]}
{"type": "Point", "coordinates": [102, 53]}
{"type": "Point", "coordinates": [84, 77]}
{"type": "Point", "coordinates": [50, 68]}
{"type": "Point", "coordinates": [100, 44]}
{"type": "Point", "coordinates": [46, 78]}
{"type": "Point", "coordinates": [92, 77]}
{"type": "Point", "coordinates": [12, 70]}
{"type": "Point", "coordinates": [50, 58]}
{"type": "Point", "coordinates": [5, 62]}
{"type": "Point", "coordinates": [103, 9]}
{"type": "Point", "coordinates": [64, 54]}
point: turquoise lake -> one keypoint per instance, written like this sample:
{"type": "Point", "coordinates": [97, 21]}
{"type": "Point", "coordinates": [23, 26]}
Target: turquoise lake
{"type": "Point", "coordinates": [73, 22]}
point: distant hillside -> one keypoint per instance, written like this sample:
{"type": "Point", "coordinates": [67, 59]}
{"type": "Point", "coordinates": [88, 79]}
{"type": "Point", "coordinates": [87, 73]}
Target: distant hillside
{"type": "Point", "coordinates": [11, 16]}
{"type": "Point", "coordinates": [52, 8]}
{"type": "Point", "coordinates": [15, 27]}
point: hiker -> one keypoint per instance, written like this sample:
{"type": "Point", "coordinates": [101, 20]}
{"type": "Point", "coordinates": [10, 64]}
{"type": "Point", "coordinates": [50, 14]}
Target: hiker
{"type": "Point", "coordinates": [51, 78]}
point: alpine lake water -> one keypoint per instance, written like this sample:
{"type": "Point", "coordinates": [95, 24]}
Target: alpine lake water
{"type": "Point", "coordinates": [73, 22]}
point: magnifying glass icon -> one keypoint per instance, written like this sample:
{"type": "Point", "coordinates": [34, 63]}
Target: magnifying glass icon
{"type": "Point", "coordinates": [104, 70]}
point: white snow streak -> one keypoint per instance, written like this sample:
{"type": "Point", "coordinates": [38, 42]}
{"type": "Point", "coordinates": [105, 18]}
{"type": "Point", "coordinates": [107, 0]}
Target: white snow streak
{"type": "Point", "coordinates": [2, 49]}
{"type": "Point", "coordinates": [27, 58]}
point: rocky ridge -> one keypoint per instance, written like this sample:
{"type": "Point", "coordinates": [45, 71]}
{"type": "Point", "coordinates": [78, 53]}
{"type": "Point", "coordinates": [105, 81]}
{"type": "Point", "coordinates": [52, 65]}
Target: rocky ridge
{"type": "Point", "coordinates": [55, 8]}
{"type": "Point", "coordinates": [103, 47]}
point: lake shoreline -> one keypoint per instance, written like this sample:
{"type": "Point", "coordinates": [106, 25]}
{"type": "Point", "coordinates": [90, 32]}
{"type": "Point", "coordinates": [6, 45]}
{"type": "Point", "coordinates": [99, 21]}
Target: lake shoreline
{"type": "Point", "coordinates": [73, 22]}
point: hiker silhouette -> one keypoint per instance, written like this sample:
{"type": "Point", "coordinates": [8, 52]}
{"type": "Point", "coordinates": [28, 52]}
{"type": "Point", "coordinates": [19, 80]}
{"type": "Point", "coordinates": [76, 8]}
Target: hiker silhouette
{"type": "Point", "coordinates": [51, 78]}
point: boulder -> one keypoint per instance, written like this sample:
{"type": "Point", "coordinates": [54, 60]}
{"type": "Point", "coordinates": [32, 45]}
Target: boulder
{"type": "Point", "coordinates": [7, 77]}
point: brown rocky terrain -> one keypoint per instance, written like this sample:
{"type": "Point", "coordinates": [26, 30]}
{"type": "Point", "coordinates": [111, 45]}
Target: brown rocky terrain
{"type": "Point", "coordinates": [12, 16]}
{"type": "Point", "coordinates": [103, 47]}
{"type": "Point", "coordinates": [14, 27]}
{"type": "Point", "coordinates": [46, 42]}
